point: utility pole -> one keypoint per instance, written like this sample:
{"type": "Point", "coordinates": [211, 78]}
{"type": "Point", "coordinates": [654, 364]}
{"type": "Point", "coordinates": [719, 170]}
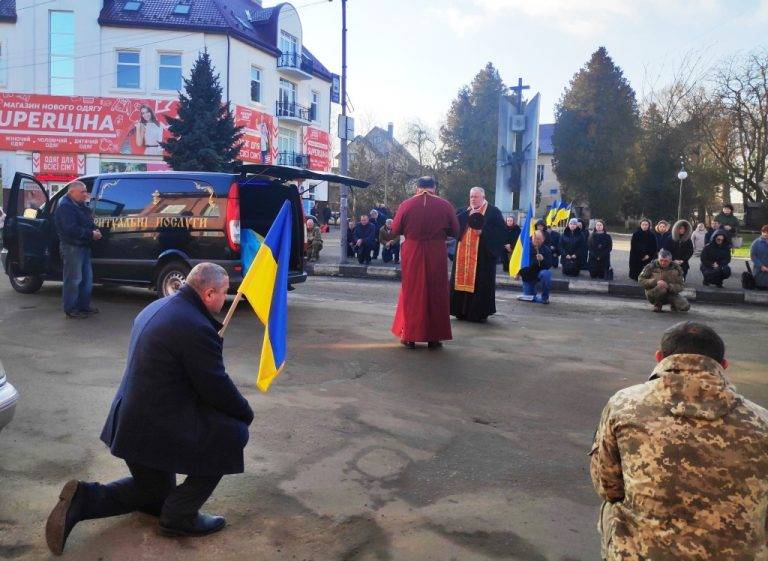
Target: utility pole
{"type": "Point", "coordinates": [343, 162]}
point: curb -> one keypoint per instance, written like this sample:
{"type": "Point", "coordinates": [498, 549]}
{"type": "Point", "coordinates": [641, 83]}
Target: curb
{"type": "Point", "coordinates": [625, 290]}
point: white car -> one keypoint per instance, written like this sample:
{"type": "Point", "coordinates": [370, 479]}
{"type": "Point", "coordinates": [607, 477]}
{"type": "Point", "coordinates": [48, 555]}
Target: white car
{"type": "Point", "coordinates": [8, 398]}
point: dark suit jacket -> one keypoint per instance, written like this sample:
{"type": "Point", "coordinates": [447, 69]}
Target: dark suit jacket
{"type": "Point", "coordinates": [176, 409]}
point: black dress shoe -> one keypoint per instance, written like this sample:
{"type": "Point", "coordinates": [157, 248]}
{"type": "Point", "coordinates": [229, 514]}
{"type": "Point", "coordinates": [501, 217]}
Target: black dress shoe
{"type": "Point", "coordinates": [434, 345]}
{"type": "Point", "coordinates": [90, 311]}
{"type": "Point", "coordinates": [408, 344]}
{"type": "Point", "coordinates": [77, 314]}
{"type": "Point", "coordinates": [64, 516]}
{"type": "Point", "coordinates": [199, 525]}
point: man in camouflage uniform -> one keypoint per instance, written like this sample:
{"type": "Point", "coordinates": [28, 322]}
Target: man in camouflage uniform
{"type": "Point", "coordinates": [314, 241]}
{"type": "Point", "coordinates": [681, 461]}
{"type": "Point", "coordinates": [663, 281]}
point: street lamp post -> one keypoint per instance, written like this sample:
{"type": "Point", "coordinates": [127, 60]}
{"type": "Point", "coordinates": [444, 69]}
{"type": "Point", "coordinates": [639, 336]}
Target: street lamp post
{"type": "Point", "coordinates": [681, 175]}
{"type": "Point", "coordinates": [343, 160]}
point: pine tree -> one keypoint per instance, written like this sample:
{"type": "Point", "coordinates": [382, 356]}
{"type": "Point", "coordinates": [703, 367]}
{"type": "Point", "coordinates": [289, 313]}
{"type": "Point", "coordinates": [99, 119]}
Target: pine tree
{"type": "Point", "coordinates": [203, 136]}
{"type": "Point", "coordinates": [596, 129]}
{"type": "Point", "coordinates": [470, 137]}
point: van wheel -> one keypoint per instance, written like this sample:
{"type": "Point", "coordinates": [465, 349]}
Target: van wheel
{"type": "Point", "coordinates": [171, 278]}
{"type": "Point", "coordinates": [26, 285]}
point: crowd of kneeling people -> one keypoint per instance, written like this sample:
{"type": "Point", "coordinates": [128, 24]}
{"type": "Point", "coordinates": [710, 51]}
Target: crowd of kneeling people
{"type": "Point", "coordinates": [658, 260]}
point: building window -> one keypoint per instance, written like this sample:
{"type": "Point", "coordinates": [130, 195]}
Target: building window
{"type": "Point", "coordinates": [540, 173]}
{"type": "Point", "coordinates": [289, 45]}
{"type": "Point", "coordinates": [128, 69]}
{"type": "Point", "coordinates": [286, 144]}
{"type": "Point", "coordinates": [169, 72]}
{"type": "Point", "coordinates": [287, 93]}
{"type": "Point", "coordinates": [62, 53]}
{"type": "Point", "coordinates": [255, 84]}
{"type": "Point", "coordinates": [314, 108]}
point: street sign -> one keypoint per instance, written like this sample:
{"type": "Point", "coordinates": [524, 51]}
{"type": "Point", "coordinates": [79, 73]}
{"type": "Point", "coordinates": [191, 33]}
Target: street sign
{"type": "Point", "coordinates": [346, 128]}
{"type": "Point", "coordinates": [335, 88]}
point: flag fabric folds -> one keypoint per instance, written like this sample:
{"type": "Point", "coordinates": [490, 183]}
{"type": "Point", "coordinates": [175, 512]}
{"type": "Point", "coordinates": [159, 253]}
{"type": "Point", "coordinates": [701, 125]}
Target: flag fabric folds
{"type": "Point", "coordinates": [552, 214]}
{"type": "Point", "coordinates": [564, 213]}
{"type": "Point", "coordinates": [521, 255]}
{"type": "Point", "coordinates": [250, 242]}
{"type": "Point", "coordinates": [265, 286]}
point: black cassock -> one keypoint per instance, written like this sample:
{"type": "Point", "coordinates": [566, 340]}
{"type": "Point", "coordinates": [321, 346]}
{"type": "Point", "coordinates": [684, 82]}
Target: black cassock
{"type": "Point", "coordinates": [478, 305]}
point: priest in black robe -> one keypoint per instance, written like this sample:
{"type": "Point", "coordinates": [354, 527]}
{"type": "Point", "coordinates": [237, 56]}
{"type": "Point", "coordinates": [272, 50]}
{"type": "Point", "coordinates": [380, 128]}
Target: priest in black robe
{"type": "Point", "coordinates": [482, 235]}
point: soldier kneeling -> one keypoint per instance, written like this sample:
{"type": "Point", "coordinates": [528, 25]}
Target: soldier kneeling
{"type": "Point", "coordinates": [663, 282]}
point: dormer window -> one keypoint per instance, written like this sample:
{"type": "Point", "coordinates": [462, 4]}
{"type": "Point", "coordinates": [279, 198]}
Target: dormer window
{"type": "Point", "coordinates": [181, 9]}
{"type": "Point", "coordinates": [132, 6]}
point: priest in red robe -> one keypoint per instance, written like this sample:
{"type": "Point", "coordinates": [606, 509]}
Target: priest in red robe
{"type": "Point", "coordinates": [480, 245]}
{"type": "Point", "coordinates": [423, 309]}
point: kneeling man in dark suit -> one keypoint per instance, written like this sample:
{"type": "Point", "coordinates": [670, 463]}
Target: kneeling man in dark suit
{"type": "Point", "coordinates": [176, 412]}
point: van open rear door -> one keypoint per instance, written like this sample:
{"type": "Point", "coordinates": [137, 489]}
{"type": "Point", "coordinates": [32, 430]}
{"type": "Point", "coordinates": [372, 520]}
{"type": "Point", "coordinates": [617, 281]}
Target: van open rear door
{"type": "Point", "coordinates": [27, 231]}
{"type": "Point", "coordinates": [290, 173]}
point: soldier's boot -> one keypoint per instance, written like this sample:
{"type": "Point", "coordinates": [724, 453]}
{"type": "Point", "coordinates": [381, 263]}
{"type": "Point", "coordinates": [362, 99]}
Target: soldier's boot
{"type": "Point", "coordinates": [679, 303]}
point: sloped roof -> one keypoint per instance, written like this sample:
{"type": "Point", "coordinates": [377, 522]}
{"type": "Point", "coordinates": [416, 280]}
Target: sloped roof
{"type": "Point", "coordinates": [208, 16]}
{"type": "Point", "coordinates": [8, 10]}
{"type": "Point", "coordinates": [545, 138]}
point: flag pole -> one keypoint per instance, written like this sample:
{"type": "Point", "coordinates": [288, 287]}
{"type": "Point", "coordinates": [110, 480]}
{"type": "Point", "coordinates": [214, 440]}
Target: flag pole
{"type": "Point", "coordinates": [230, 313]}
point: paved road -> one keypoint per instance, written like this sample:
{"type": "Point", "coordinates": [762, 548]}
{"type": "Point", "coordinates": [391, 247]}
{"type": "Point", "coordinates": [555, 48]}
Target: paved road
{"type": "Point", "coordinates": [619, 262]}
{"type": "Point", "coordinates": [363, 450]}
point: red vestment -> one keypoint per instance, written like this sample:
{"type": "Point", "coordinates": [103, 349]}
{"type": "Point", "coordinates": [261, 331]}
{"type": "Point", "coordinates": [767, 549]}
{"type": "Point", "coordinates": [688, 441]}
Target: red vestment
{"type": "Point", "coordinates": [423, 308]}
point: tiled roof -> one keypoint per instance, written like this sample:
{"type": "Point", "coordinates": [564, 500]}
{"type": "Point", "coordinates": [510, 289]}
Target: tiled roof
{"type": "Point", "coordinates": [545, 139]}
{"type": "Point", "coordinates": [8, 10]}
{"type": "Point", "coordinates": [209, 16]}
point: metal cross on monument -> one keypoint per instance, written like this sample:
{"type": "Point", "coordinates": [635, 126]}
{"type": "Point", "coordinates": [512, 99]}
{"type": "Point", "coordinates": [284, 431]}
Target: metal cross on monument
{"type": "Point", "coordinates": [518, 89]}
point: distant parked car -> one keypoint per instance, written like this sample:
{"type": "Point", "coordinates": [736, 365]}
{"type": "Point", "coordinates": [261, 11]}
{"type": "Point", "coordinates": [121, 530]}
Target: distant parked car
{"type": "Point", "coordinates": [8, 398]}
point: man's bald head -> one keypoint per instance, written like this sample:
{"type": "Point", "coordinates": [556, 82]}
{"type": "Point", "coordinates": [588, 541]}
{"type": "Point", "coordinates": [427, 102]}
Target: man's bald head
{"type": "Point", "coordinates": [211, 283]}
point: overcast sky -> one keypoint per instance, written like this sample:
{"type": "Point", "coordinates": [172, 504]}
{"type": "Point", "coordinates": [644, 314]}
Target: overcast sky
{"type": "Point", "coordinates": [408, 58]}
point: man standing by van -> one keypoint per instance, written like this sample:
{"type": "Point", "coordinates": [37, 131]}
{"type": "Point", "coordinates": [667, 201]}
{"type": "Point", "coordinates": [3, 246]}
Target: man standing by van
{"type": "Point", "coordinates": [77, 231]}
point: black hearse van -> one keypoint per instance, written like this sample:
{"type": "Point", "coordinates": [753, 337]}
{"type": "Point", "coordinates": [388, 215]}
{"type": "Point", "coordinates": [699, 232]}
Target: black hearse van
{"type": "Point", "coordinates": [156, 226]}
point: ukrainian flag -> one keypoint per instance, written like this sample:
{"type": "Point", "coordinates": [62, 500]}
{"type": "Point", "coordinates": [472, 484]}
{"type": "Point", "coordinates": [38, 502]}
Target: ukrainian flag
{"type": "Point", "coordinates": [266, 287]}
{"type": "Point", "coordinates": [564, 213]}
{"type": "Point", "coordinates": [521, 255]}
{"type": "Point", "coordinates": [550, 220]}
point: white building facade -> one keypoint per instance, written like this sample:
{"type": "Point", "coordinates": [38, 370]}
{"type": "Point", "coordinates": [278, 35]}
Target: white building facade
{"type": "Point", "coordinates": [119, 64]}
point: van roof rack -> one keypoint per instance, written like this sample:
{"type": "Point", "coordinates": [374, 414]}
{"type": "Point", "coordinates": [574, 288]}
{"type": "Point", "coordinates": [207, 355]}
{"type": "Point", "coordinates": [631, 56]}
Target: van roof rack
{"type": "Point", "coordinates": [290, 173]}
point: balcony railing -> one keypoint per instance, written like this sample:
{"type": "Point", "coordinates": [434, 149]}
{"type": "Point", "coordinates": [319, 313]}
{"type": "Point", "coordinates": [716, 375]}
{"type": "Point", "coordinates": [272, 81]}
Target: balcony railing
{"type": "Point", "coordinates": [295, 61]}
{"type": "Point", "coordinates": [293, 110]}
{"type": "Point", "coordinates": [295, 159]}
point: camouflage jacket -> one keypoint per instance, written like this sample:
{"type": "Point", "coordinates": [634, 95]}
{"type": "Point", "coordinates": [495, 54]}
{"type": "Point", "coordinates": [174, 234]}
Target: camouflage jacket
{"type": "Point", "coordinates": [653, 273]}
{"type": "Point", "coordinates": [314, 234]}
{"type": "Point", "coordinates": [682, 463]}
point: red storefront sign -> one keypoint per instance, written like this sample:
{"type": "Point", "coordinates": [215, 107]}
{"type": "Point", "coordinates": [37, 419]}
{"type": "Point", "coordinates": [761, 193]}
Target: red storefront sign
{"type": "Point", "coordinates": [259, 135]}
{"type": "Point", "coordinates": [58, 164]}
{"type": "Point", "coordinates": [318, 147]}
{"type": "Point", "coordinates": [100, 125]}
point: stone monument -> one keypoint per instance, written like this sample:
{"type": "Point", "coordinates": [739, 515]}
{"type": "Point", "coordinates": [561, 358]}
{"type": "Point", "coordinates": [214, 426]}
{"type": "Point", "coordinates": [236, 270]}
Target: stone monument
{"type": "Point", "coordinates": [518, 151]}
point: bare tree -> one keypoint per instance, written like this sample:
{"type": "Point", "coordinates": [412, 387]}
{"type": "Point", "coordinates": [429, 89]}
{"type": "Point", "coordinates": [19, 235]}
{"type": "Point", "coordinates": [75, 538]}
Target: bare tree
{"type": "Point", "coordinates": [420, 140]}
{"type": "Point", "coordinates": [734, 118]}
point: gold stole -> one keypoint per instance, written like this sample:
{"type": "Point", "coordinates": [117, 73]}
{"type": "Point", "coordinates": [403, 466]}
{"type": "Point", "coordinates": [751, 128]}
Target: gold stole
{"type": "Point", "coordinates": [466, 258]}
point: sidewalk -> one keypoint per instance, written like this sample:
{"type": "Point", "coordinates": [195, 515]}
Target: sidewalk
{"type": "Point", "coordinates": [622, 286]}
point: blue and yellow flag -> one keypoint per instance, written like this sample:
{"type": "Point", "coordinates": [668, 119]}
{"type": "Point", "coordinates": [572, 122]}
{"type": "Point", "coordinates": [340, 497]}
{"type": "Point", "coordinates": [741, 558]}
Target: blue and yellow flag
{"type": "Point", "coordinates": [521, 255]}
{"type": "Point", "coordinates": [266, 287]}
{"type": "Point", "coordinates": [550, 219]}
{"type": "Point", "coordinates": [564, 213]}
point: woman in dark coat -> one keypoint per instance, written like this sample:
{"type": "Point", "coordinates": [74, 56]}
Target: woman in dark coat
{"type": "Point", "coordinates": [715, 258]}
{"type": "Point", "coordinates": [573, 249]}
{"type": "Point", "coordinates": [679, 244]}
{"type": "Point", "coordinates": [643, 248]}
{"type": "Point", "coordinates": [513, 233]}
{"type": "Point", "coordinates": [662, 233]}
{"type": "Point", "coordinates": [600, 246]}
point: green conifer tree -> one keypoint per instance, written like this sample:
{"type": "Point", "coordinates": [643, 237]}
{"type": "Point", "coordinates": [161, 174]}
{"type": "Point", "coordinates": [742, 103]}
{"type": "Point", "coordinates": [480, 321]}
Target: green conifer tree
{"type": "Point", "coordinates": [597, 123]}
{"type": "Point", "coordinates": [203, 136]}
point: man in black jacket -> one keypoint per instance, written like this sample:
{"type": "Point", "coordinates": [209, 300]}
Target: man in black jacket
{"type": "Point", "coordinates": [538, 272]}
{"type": "Point", "coordinates": [176, 412]}
{"type": "Point", "coordinates": [365, 238]}
{"type": "Point", "coordinates": [77, 231]}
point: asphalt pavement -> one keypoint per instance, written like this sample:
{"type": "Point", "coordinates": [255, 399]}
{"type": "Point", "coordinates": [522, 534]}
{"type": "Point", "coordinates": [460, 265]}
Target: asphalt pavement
{"type": "Point", "coordinates": [362, 450]}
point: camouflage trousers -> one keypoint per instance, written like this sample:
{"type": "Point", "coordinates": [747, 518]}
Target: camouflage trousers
{"type": "Point", "coordinates": [659, 297]}
{"type": "Point", "coordinates": [313, 251]}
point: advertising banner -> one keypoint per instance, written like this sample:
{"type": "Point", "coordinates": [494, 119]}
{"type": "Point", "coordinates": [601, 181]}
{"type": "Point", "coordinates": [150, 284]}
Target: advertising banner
{"type": "Point", "coordinates": [318, 147]}
{"type": "Point", "coordinates": [101, 125]}
{"type": "Point", "coordinates": [260, 135]}
{"type": "Point", "coordinates": [58, 164]}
